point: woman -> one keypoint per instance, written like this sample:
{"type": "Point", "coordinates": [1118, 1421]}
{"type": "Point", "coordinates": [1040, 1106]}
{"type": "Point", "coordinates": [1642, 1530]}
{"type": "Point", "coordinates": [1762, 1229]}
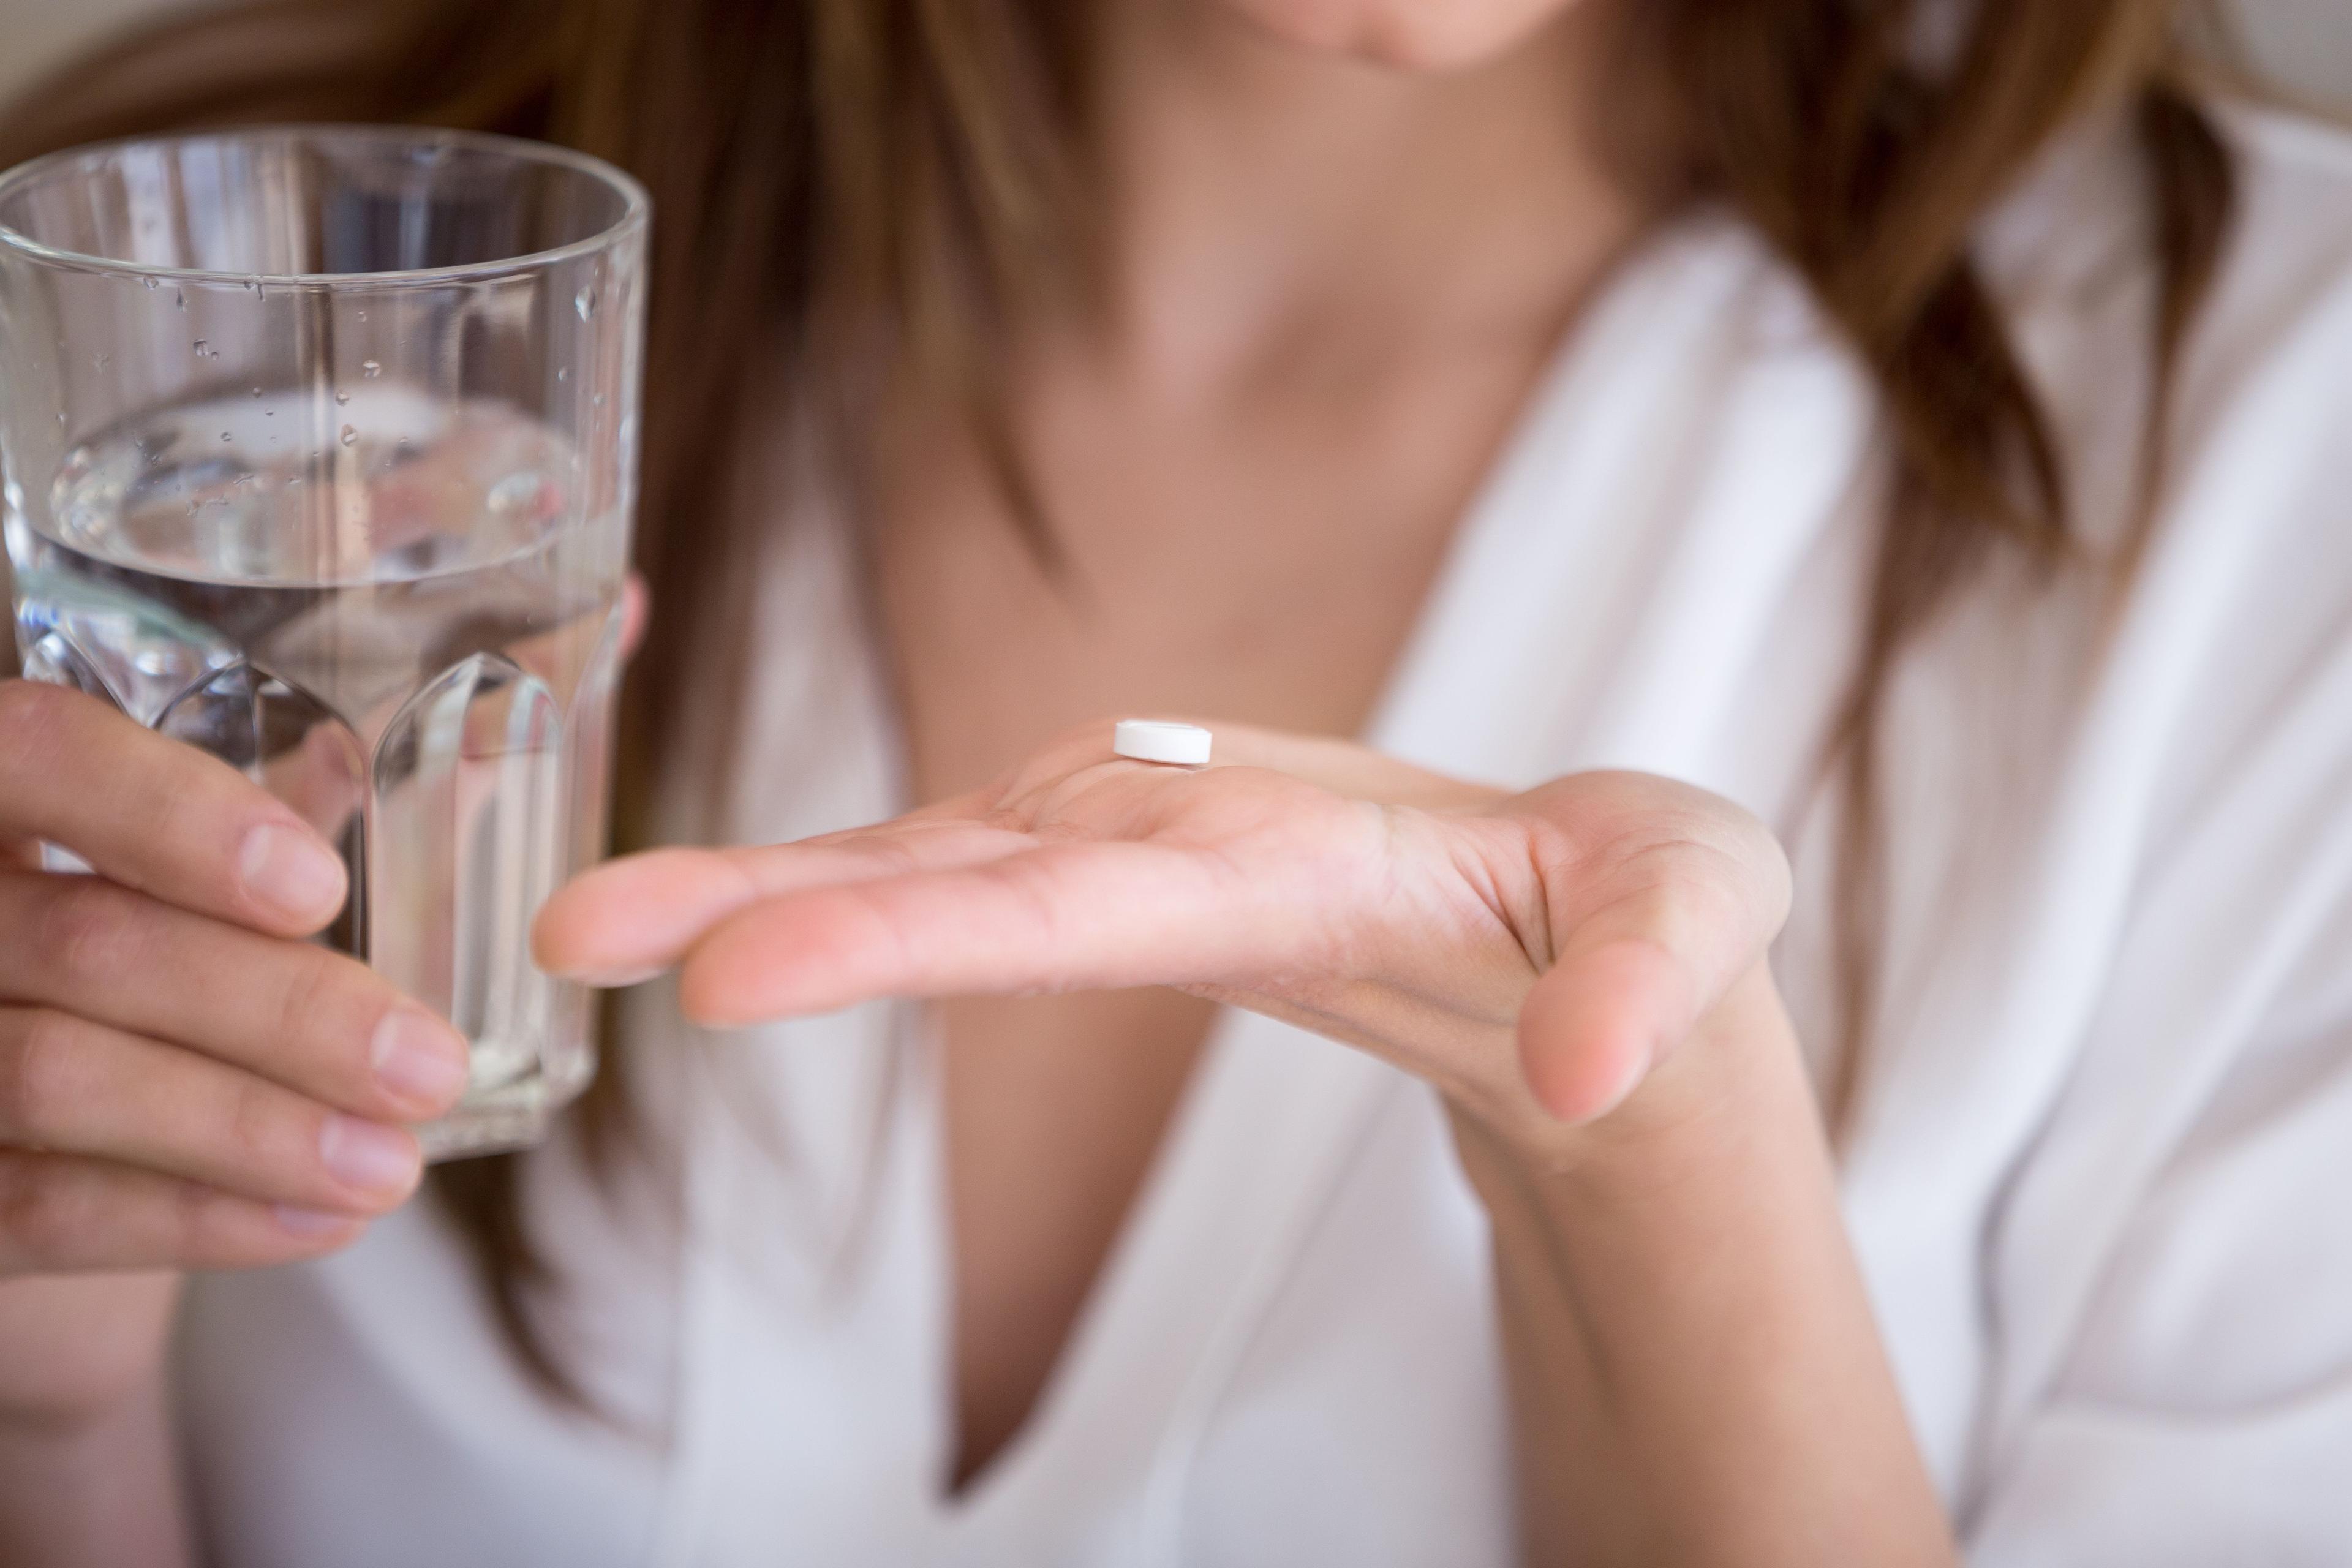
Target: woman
{"type": "Point", "coordinates": [1672, 436]}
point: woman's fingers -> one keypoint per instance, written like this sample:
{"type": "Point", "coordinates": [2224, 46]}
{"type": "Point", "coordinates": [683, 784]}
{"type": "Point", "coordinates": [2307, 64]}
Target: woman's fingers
{"type": "Point", "coordinates": [636, 603]}
{"type": "Point", "coordinates": [309, 1019]}
{"type": "Point", "coordinates": [68, 1085]}
{"type": "Point", "coordinates": [1068, 917]}
{"type": "Point", "coordinates": [65, 1212]}
{"type": "Point", "coordinates": [637, 916]}
{"type": "Point", "coordinates": [19, 854]}
{"type": "Point", "coordinates": [1645, 900]}
{"type": "Point", "coordinates": [321, 779]}
{"type": "Point", "coordinates": [157, 815]}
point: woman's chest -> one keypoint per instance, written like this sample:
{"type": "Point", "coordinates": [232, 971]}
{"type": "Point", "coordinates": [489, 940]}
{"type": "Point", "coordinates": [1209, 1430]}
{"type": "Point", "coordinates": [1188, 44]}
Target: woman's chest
{"type": "Point", "coordinates": [1184, 578]}
{"type": "Point", "coordinates": [1174, 575]}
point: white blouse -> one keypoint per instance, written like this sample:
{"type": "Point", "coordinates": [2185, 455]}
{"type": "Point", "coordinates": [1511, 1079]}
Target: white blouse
{"type": "Point", "coordinates": [2098, 1177]}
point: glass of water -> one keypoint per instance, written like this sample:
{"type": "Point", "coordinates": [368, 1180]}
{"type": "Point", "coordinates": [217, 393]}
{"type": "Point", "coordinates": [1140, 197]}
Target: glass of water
{"type": "Point", "coordinates": [318, 450]}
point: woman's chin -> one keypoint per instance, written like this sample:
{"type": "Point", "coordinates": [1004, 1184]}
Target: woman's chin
{"type": "Point", "coordinates": [1405, 35]}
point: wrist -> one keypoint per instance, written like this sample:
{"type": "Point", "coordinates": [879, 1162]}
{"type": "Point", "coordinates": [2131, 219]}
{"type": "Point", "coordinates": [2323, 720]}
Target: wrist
{"type": "Point", "coordinates": [97, 1484]}
{"type": "Point", "coordinates": [79, 1350]}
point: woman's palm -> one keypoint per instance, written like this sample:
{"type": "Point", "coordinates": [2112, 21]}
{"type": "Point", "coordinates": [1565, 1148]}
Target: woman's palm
{"type": "Point", "coordinates": [1406, 913]}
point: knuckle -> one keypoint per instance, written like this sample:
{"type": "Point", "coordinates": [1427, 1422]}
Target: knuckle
{"type": "Point", "coordinates": [1743, 877]}
{"type": "Point", "coordinates": [177, 812]}
{"type": "Point", "coordinates": [1685, 910]}
{"type": "Point", "coordinates": [307, 996]}
{"type": "Point", "coordinates": [41, 1075]}
{"type": "Point", "coordinates": [88, 933]}
{"type": "Point", "coordinates": [194, 1220]}
{"type": "Point", "coordinates": [30, 714]}
{"type": "Point", "coordinates": [40, 1213]}
{"type": "Point", "coordinates": [252, 1128]}
{"type": "Point", "coordinates": [1708, 888]}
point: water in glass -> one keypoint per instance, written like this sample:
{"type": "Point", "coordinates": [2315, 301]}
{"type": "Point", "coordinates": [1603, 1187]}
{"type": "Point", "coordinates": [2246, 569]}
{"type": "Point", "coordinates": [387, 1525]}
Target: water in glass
{"type": "Point", "coordinates": [422, 668]}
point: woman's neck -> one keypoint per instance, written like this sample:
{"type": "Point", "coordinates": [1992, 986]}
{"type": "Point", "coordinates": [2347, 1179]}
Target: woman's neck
{"type": "Point", "coordinates": [1258, 194]}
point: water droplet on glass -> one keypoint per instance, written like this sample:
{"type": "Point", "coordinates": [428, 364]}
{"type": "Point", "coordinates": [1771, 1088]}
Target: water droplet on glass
{"type": "Point", "coordinates": [369, 369]}
{"type": "Point", "coordinates": [203, 348]}
{"type": "Point", "coordinates": [151, 284]}
{"type": "Point", "coordinates": [180, 297]}
{"type": "Point", "coordinates": [584, 303]}
{"type": "Point", "coordinates": [224, 434]}
{"type": "Point", "coordinates": [256, 392]}
{"type": "Point", "coordinates": [342, 396]}
{"type": "Point", "coordinates": [101, 362]}
{"type": "Point", "coordinates": [351, 436]}
{"type": "Point", "coordinates": [252, 284]}
{"type": "Point", "coordinates": [597, 401]}
{"type": "Point", "coordinates": [561, 373]}
{"type": "Point", "coordinates": [362, 315]}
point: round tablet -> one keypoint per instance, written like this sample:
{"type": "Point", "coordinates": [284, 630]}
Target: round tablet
{"type": "Point", "coordinates": [1156, 741]}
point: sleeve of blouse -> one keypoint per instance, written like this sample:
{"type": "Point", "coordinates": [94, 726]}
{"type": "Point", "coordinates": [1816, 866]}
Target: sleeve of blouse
{"type": "Point", "coordinates": [2177, 1319]}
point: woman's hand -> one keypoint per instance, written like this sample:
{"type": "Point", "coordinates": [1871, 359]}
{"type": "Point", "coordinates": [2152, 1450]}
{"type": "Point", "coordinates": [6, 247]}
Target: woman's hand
{"type": "Point", "coordinates": [1693, 1371]}
{"type": "Point", "coordinates": [1417, 917]}
{"type": "Point", "coordinates": [184, 1081]}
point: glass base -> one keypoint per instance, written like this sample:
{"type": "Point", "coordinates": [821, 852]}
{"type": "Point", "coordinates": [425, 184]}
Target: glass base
{"type": "Point", "coordinates": [517, 1113]}
{"type": "Point", "coordinates": [498, 1123]}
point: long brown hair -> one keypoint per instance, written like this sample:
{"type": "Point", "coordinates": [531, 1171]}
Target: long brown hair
{"type": "Point", "coordinates": [912, 165]}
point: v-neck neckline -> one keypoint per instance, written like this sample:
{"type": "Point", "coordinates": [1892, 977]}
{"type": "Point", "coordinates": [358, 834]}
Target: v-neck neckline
{"type": "Point", "coordinates": [1292, 1105]}
{"type": "Point", "coordinates": [1263, 1131]}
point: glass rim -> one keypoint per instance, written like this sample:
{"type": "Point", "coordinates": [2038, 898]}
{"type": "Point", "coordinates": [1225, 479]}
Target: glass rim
{"type": "Point", "coordinates": [636, 206]}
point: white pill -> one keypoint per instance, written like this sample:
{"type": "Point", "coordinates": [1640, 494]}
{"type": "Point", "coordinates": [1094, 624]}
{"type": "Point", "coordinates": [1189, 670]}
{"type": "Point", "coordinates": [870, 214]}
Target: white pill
{"type": "Point", "coordinates": [1156, 741]}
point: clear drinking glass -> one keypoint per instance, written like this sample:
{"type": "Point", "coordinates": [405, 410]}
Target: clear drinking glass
{"type": "Point", "coordinates": [318, 448]}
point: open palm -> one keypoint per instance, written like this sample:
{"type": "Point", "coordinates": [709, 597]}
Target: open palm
{"type": "Point", "coordinates": [1407, 913]}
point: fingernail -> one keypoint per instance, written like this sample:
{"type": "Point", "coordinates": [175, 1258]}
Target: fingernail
{"type": "Point", "coordinates": [417, 1058]}
{"type": "Point", "coordinates": [616, 979]}
{"type": "Point", "coordinates": [367, 1154]}
{"type": "Point", "coordinates": [311, 1223]}
{"type": "Point", "coordinates": [291, 873]}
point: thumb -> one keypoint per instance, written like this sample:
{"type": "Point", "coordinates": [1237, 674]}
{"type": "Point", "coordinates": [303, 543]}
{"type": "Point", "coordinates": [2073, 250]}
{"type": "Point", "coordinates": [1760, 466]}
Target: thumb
{"type": "Point", "coordinates": [1632, 984]}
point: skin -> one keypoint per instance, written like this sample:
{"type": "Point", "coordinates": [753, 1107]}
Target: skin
{"type": "Point", "coordinates": [1314, 261]}
{"type": "Point", "coordinates": [1578, 970]}
{"type": "Point", "coordinates": [1345, 237]}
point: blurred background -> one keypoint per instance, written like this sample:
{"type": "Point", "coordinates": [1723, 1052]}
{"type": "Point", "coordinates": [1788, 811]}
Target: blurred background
{"type": "Point", "coordinates": [2305, 45]}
